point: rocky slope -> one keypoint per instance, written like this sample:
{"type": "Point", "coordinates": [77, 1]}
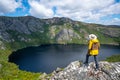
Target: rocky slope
{"type": "Point", "coordinates": [26, 31]}
{"type": "Point", "coordinates": [77, 71]}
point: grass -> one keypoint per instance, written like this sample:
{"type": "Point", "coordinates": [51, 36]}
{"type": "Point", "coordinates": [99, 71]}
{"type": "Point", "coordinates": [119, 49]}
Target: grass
{"type": "Point", "coordinates": [10, 71]}
{"type": "Point", "coordinates": [114, 58]}
{"type": "Point", "coordinates": [4, 55]}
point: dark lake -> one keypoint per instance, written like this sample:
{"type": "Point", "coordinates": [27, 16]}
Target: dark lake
{"type": "Point", "coordinates": [46, 58]}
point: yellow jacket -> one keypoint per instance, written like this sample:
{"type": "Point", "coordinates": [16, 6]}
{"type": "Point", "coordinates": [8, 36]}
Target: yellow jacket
{"type": "Point", "coordinates": [93, 52]}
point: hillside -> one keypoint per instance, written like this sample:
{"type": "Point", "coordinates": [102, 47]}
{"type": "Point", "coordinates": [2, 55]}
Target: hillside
{"type": "Point", "coordinates": [18, 32]}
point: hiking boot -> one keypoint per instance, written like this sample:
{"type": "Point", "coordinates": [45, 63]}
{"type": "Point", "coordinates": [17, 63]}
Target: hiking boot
{"type": "Point", "coordinates": [97, 69]}
{"type": "Point", "coordinates": [86, 64]}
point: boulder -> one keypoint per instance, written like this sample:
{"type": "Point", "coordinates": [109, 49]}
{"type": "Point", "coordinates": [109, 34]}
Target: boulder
{"type": "Point", "coordinates": [78, 71]}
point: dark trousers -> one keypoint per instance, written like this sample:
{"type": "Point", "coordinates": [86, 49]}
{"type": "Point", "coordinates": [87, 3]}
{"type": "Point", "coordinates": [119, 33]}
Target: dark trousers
{"type": "Point", "coordinates": [95, 59]}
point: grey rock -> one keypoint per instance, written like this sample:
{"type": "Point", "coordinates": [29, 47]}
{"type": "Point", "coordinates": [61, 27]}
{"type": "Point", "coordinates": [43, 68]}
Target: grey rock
{"type": "Point", "coordinates": [2, 46]}
{"type": "Point", "coordinates": [112, 32]}
{"type": "Point", "coordinates": [19, 25]}
{"type": "Point", "coordinates": [78, 71]}
{"type": "Point", "coordinates": [66, 35]}
{"type": "Point", "coordinates": [58, 21]}
{"type": "Point", "coordinates": [0, 66]}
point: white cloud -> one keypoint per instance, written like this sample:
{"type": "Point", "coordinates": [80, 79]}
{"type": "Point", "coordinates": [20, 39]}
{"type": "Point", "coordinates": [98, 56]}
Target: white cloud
{"type": "Point", "coordinates": [40, 10]}
{"type": "Point", "coordinates": [82, 10]}
{"type": "Point", "coordinates": [112, 9]}
{"type": "Point", "coordinates": [114, 21]}
{"type": "Point", "coordinates": [71, 8]}
{"type": "Point", "coordinates": [7, 6]}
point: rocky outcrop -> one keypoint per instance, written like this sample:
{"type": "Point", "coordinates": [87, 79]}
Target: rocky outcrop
{"type": "Point", "coordinates": [21, 24]}
{"type": "Point", "coordinates": [66, 35]}
{"type": "Point", "coordinates": [112, 32]}
{"type": "Point", "coordinates": [2, 46]}
{"type": "Point", "coordinates": [58, 21]}
{"type": "Point", "coordinates": [77, 71]}
{"type": "Point", "coordinates": [9, 26]}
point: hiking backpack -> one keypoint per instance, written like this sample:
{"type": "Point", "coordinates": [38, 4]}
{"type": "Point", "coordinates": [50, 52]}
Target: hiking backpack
{"type": "Point", "coordinates": [95, 46]}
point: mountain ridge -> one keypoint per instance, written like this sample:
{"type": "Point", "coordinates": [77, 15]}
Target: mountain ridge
{"type": "Point", "coordinates": [29, 30]}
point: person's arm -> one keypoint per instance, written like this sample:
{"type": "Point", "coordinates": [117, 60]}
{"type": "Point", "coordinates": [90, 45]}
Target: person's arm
{"type": "Point", "coordinates": [89, 46]}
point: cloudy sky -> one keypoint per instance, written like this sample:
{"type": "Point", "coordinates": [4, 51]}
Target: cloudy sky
{"type": "Point", "coordinates": [91, 11]}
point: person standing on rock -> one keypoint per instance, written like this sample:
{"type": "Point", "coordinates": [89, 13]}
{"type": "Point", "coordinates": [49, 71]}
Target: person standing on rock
{"type": "Point", "coordinates": [93, 49]}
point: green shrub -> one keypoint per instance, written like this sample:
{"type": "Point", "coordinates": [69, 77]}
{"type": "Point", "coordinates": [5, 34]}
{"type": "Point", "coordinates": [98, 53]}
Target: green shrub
{"type": "Point", "coordinates": [114, 58]}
